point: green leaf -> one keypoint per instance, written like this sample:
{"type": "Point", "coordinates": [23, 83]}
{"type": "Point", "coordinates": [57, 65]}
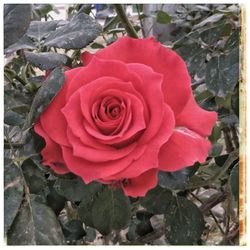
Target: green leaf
{"type": "Point", "coordinates": [89, 193]}
{"type": "Point", "coordinates": [73, 230]}
{"type": "Point", "coordinates": [12, 118]}
{"type": "Point", "coordinates": [26, 143]}
{"type": "Point", "coordinates": [216, 134]}
{"type": "Point", "coordinates": [97, 46]}
{"type": "Point", "coordinates": [177, 180]}
{"type": "Point", "coordinates": [211, 19]}
{"type": "Point", "coordinates": [55, 201]}
{"type": "Point", "coordinates": [229, 119]}
{"type": "Point", "coordinates": [216, 150]}
{"type": "Point", "coordinates": [131, 235]}
{"type": "Point", "coordinates": [43, 9]}
{"type": "Point", "coordinates": [214, 34]}
{"type": "Point", "coordinates": [143, 215]}
{"type": "Point", "coordinates": [36, 81]}
{"type": "Point", "coordinates": [195, 58]}
{"type": "Point", "coordinates": [13, 193]}
{"type": "Point", "coordinates": [224, 102]}
{"type": "Point", "coordinates": [222, 73]}
{"type": "Point", "coordinates": [143, 228]}
{"type": "Point", "coordinates": [233, 41]}
{"type": "Point", "coordinates": [46, 60]}
{"type": "Point", "coordinates": [162, 17]}
{"type": "Point", "coordinates": [16, 21]}
{"type": "Point", "coordinates": [38, 30]}
{"type": "Point", "coordinates": [76, 34]}
{"type": "Point", "coordinates": [34, 177]}
{"type": "Point", "coordinates": [45, 95]}
{"type": "Point", "coordinates": [111, 210]}
{"type": "Point", "coordinates": [16, 101]}
{"type": "Point", "coordinates": [221, 159]}
{"type": "Point", "coordinates": [235, 101]}
{"type": "Point", "coordinates": [91, 234]}
{"type": "Point", "coordinates": [204, 95]}
{"type": "Point", "coordinates": [71, 189]}
{"type": "Point", "coordinates": [36, 224]}
{"type": "Point", "coordinates": [184, 222]}
{"type": "Point", "coordinates": [157, 200]}
{"type": "Point", "coordinates": [234, 181]}
{"type": "Point", "coordinates": [23, 43]}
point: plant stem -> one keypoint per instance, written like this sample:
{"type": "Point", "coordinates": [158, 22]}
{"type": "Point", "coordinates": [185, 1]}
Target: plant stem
{"type": "Point", "coordinates": [210, 211]}
{"type": "Point", "coordinates": [140, 19]}
{"type": "Point", "coordinates": [127, 24]}
{"type": "Point", "coordinates": [228, 139]}
{"type": "Point", "coordinates": [235, 136]}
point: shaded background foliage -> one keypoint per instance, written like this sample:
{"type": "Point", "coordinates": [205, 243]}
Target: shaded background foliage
{"type": "Point", "coordinates": [197, 205]}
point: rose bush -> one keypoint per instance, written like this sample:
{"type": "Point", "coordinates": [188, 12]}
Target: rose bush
{"type": "Point", "coordinates": [126, 114]}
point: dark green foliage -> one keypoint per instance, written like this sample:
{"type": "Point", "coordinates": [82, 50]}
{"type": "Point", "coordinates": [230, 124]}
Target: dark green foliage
{"type": "Point", "coordinates": [46, 60]}
{"type": "Point", "coordinates": [23, 43]}
{"type": "Point", "coordinates": [71, 189]}
{"type": "Point", "coordinates": [176, 180]}
{"type": "Point", "coordinates": [45, 208]}
{"type": "Point", "coordinates": [157, 200]}
{"type": "Point", "coordinates": [13, 193]}
{"type": "Point", "coordinates": [15, 24]}
{"type": "Point", "coordinates": [36, 224]}
{"type": "Point", "coordinates": [111, 210]}
{"type": "Point", "coordinates": [45, 94]}
{"type": "Point", "coordinates": [38, 30]}
{"type": "Point", "coordinates": [34, 177]}
{"type": "Point", "coordinates": [73, 230]}
{"type": "Point", "coordinates": [234, 181]}
{"type": "Point", "coordinates": [162, 17]}
{"type": "Point", "coordinates": [184, 222]}
{"type": "Point", "coordinates": [76, 34]}
{"type": "Point", "coordinates": [222, 73]}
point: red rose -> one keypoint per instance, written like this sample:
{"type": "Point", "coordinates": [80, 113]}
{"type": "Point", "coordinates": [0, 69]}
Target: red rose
{"type": "Point", "coordinates": [127, 114]}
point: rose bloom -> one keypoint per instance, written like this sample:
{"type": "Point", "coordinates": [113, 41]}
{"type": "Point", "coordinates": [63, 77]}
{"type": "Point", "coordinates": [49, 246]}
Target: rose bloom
{"type": "Point", "coordinates": [128, 113]}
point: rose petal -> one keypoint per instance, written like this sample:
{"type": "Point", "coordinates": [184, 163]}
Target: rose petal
{"type": "Point", "coordinates": [90, 171]}
{"type": "Point", "coordinates": [75, 122]}
{"type": "Point", "coordinates": [150, 88]}
{"type": "Point", "coordinates": [52, 153]}
{"type": "Point", "coordinates": [176, 85]}
{"type": "Point", "coordinates": [52, 119]}
{"type": "Point", "coordinates": [183, 149]}
{"type": "Point", "coordinates": [84, 97]}
{"type": "Point", "coordinates": [99, 68]}
{"type": "Point", "coordinates": [132, 125]}
{"type": "Point", "coordinates": [149, 159]}
{"type": "Point", "coordinates": [97, 155]}
{"type": "Point", "coordinates": [140, 185]}
{"type": "Point", "coordinates": [197, 119]}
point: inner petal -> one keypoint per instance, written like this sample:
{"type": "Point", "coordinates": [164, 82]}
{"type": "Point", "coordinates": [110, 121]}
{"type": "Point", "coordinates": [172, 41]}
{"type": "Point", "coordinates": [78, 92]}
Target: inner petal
{"type": "Point", "coordinates": [108, 114]}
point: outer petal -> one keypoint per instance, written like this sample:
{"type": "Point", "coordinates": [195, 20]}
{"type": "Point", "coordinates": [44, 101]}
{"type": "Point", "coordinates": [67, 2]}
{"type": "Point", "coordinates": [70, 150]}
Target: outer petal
{"type": "Point", "coordinates": [183, 149]}
{"type": "Point", "coordinates": [196, 118]}
{"type": "Point", "coordinates": [97, 155]}
{"type": "Point", "coordinates": [52, 119]}
{"type": "Point", "coordinates": [140, 185]}
{"type": "Point", "coordinates": [176, 85]}
{"type": "Point", "coordinates": [90, 171]}
{"type": "Point", "coordinates": [100, 68]}
{"type": "Point", "coordinates": [52, 153]}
